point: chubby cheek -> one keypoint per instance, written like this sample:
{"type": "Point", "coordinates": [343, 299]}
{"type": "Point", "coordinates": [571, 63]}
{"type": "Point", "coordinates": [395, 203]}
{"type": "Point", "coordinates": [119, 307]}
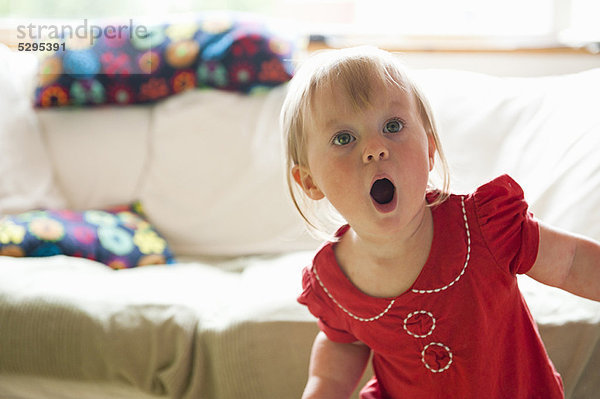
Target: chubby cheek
{"type": "Point", "coordinates": [336, 180]}
{"type": "Point", "coordinates": [417, 154]}
{"type": "Point", "coordinates": [417, 168]}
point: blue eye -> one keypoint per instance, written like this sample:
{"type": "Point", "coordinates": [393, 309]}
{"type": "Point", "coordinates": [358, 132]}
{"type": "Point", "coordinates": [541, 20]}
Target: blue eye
{"type": "Point", "coordinates": [343, 139]}
{"type": "Point", "coordinates": [393, 126]}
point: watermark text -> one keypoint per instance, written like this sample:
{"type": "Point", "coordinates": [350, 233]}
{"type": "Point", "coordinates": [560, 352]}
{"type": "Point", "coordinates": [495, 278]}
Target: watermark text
{"type": "Point", "coordinates": [39, 32]}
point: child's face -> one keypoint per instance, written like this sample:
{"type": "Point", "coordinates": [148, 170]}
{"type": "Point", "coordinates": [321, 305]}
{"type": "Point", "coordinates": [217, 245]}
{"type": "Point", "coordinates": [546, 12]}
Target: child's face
{"type": "Point", "coordinates": [372, 164]}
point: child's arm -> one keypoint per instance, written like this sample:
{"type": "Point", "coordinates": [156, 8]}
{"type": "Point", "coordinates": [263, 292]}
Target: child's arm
{"type": "Point", "coordinates": [569, 262]}
{"type": "Point", "coordinates": [335, 369]}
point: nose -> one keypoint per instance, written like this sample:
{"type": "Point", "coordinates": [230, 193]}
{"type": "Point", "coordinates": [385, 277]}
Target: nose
{"type": "Point", "coordinates": [375, 151]}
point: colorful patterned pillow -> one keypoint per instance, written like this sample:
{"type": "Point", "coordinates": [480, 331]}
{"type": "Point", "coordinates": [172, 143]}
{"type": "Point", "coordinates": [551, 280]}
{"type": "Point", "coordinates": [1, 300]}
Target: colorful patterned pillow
{"type": "Point", "coordinates": [119, 237]}
{"type": "Point", "coordinates": [141, 64]}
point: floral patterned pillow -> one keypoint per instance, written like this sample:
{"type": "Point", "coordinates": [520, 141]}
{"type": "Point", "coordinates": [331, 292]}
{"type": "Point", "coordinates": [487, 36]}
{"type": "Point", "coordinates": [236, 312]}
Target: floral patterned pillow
{"type": "Point", "coordinates": [143, 64]}
{"type": "Point", "coordinates": [119, 237]}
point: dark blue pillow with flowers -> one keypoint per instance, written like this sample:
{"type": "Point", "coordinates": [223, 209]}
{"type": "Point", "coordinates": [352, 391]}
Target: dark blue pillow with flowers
{"type": "Point", "coordinates": [119, 237]}
{"type": "Point", "coordinates": [127, 63]}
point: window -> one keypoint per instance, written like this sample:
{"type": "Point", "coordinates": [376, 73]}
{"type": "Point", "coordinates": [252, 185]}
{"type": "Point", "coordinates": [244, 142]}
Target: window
{"type": "Point", "coordinates": [403, 22]}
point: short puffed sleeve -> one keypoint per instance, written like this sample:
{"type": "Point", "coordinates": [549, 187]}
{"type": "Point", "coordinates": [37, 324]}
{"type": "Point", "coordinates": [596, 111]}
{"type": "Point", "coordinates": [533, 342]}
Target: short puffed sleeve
{"type": "Point", "coordinates": [319, 304]}
{"type": "Point", "coordinates": [508, 228]}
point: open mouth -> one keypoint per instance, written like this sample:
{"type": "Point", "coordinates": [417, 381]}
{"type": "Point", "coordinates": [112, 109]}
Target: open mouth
{"type": "Point", "coordinates": [382, 191]}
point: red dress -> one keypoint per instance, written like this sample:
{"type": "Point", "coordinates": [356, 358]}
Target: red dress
{"type": "Point", "coordinates": [463, 330]}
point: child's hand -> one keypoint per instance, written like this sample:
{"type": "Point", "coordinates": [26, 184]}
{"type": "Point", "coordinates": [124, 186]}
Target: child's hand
{"type": "Point", "coordinates": [335, 369]}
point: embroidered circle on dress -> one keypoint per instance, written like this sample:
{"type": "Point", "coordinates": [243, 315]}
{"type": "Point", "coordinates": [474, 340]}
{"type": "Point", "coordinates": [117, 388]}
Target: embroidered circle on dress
{"type": "Point", "coordinates": [437, 357]}
{"type": "Point", "coordinates": [419, 324]}
{"type": "Point", "coordinates": [367, 319]}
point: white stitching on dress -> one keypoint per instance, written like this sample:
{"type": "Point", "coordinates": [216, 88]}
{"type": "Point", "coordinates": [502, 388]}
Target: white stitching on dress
{"type": "Point", "coordinates": [446, 367]}
{"type": "Point", "coordinates": [344, 309]}
{"type": "Point", "coordinates": [462, 200]}
{"type": "Point", "coordinates": [417, 313]}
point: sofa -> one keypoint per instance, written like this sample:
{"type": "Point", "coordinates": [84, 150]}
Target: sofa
{"type": "Point", "coordinates": [218, 318]}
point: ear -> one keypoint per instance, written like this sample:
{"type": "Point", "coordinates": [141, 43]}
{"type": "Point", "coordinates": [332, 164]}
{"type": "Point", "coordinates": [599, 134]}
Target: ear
{"type": "Point", "coordinates": [304, 179]}
{"type": "Point", "coordinates": [432, 148]}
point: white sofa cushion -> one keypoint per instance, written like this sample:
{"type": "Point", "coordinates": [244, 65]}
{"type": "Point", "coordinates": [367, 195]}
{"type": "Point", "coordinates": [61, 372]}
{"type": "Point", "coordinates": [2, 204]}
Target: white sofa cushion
{"type": "Point", "coordinates": [543, 131]}
{"type": "Point", "coordinates": [26, 172]}
{"type": "Point", "coordinates": [215, 185]}
{"type": "Point", "coordinates": [100, 154]}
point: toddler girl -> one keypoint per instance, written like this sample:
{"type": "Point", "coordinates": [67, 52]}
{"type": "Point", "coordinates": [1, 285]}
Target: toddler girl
{"type": "Point", "coordinates": [423, 279]}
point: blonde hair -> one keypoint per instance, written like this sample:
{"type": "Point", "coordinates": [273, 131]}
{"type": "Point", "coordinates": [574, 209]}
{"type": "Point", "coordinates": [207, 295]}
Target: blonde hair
{"type": "Point", "coordinates": [356, 71]}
